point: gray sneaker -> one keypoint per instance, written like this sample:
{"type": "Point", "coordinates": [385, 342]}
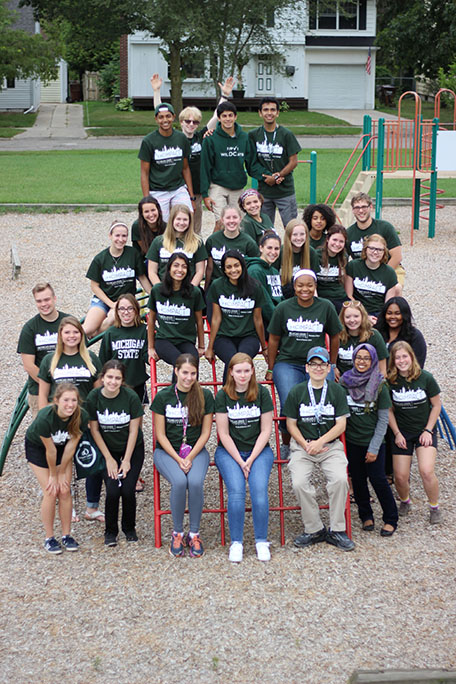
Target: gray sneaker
{"type": "Point", "coordinates": [341, 540]}
{"type": "Point", "coordinates": [435, 516]}
{"type": "Point", "coordinates": [284, 452]}
{"type": "Point", "coordinates": [308, 539]}
{"type": "Point", "coordinates": [404, 507]}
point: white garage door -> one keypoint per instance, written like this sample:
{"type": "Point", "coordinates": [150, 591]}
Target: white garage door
{"type": "Point", "coordinates": [337, 86]}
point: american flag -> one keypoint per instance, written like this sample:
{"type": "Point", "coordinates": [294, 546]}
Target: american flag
{"type": "Point", "coordinates": [369, 62]}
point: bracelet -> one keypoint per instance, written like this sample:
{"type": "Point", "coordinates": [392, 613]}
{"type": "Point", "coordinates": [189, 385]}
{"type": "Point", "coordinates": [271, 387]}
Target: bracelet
{"type": "Point", "coordinates": [192, 197]}
{"type": "Point", "coordinates": [263, 349]}
{"type": "Point", "coordinates": [269, 371]}
{"type": "Point", "coordinates": [427, 430]}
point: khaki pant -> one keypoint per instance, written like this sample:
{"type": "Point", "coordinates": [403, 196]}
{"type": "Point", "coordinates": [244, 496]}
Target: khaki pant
{"type": "Point", "coordinates": [334, 465]}
{"type": "Point", "coordinates": [222, 197]}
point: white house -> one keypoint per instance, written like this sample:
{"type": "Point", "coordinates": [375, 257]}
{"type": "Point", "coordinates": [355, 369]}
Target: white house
{"type": "Point", "coordinates": [326, 60]}
{"type": "Point", "coordinates": [24, 94]}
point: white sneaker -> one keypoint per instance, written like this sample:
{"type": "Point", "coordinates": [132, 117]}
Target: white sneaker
{"type": "Point", "coordinates": [236, 550]}
{"type": "Point", "coordinates": [262, 549]}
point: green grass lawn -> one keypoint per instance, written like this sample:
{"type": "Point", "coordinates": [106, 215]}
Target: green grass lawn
{"type": "Point", "coordinates": [11, 123]}
{"type": "Point", "coordinates": [103, 119]}
{"type": "Point", "coordinates": [112, 177]}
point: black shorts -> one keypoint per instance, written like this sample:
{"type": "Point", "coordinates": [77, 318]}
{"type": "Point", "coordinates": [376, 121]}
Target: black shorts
{"type": "Point", "coordinates": [413, 442]}
{"type": "Point", "coordinates": [36, 454]}
{"type": "Point", "coordinates": [141, 391]}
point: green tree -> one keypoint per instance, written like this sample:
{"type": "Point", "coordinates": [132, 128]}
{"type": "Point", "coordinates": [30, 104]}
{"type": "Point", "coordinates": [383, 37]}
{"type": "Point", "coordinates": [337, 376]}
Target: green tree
{"type": "Point", "coordinates": [417, 38]}
{"type": "Point", "coordinates": [23, 55]}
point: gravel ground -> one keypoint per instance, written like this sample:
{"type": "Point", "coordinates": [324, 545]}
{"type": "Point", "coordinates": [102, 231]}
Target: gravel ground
{"type": "Point", "coordinates": [134, 615]}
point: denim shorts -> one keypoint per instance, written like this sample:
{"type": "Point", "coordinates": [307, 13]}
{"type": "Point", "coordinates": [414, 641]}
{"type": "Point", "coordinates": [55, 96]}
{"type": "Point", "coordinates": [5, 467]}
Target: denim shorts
{"type": "Point", "coordinates": [96, 301]}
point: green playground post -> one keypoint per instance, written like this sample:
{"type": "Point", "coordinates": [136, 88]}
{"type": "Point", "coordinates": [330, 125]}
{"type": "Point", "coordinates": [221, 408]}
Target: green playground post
{"type": "Point", "coordinates": [367, 132]}
{"type": "Point", "coordinates": [313, 177]}
{"type": "Point", "coordinates": [416, 213]}
{"type": "Point", "coordinates": [380, 160]}
{"type": "Point", "coordinates": [433, 188]}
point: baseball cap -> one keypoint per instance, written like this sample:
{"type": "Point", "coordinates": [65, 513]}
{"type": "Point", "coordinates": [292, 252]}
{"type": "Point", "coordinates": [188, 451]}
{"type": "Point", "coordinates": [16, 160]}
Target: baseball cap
{"type": "Point", "coordinates": [319, 353]}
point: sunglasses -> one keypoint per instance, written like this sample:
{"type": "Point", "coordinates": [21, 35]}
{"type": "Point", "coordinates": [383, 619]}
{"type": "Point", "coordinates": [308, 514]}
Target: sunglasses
{"type": "Point", "coordinates": [352, 303]}
{"type": "Point", "coordinates": [191, 121]}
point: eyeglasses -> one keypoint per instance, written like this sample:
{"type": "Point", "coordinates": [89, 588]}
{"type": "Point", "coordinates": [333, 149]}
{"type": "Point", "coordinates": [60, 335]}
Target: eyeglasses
{"type": "Point", "coordinates": [377, 250]}
{"type": "Point", "coordinates": [315, 364]}
{"type": "Point", "coordinates": [189, 122]}
{"type": "Point", "coordinates": [363, 359]}
{"type": "Point", "coordinates": [361, 207]}
{"type": "Point", "coordinates": [126, 309]}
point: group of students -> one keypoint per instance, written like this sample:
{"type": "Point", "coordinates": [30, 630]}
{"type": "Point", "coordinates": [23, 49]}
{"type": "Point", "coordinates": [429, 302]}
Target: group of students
{"type": "Point", "coordinates": [244, 296]}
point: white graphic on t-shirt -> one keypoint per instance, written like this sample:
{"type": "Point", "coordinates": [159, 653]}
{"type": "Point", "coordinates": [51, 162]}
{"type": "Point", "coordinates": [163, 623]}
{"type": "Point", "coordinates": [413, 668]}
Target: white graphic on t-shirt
{"type": "Point", "coordinates": [356, 247]}
{"type": "Point", "coordinates": [106, 418]}
{"type": "Point", "coordinates": [237, 412]}
{"type": "Point", "coordinates": [406, 395]}
{"type": "Point", "coordinates": [67, 371]}
{"type": "Point", "coordinates": [173, 309]}
{"type": "Point", "coordinates": [116, 274]}
{"type": "Point", "coordinates": [217, 254]}
{"type": "Point", "coordinates": [47, 340]}
{"type": "Point", "coordinates": [236, 302]}
{"type": "Point", "coordinates": [358, 405]}
{"type": "Point", "coordinates": [275, 285]}
{"type": "Point", "coordinates": [328, 273]}
{"type": "Point", "coordinates": [346, 354]}
{"type": "Point", "coordinates": [308, 411]}
{"type": "Point", "coordinates": [369, 285]}
{"type": "Point", "coordinates": [164, 254]}
{"type": "Point", "coordinates": [301, 325]}
{"type": "Point", "coordinates": [168, 153]}
{"type": "Point", "coordinates": [60, 437]}
{"type": "Point", "coordinates": [195, 148]}
{"type": "Point", "coordinates": [232, 151]}
{"type": "Point", "coordinates": [267, 149]}
{"type": "Point", "coordinates": [127, 349]}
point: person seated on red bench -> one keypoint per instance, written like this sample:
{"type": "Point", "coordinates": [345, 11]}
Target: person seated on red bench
{"type": "Point", "coordinates": [316, 413]}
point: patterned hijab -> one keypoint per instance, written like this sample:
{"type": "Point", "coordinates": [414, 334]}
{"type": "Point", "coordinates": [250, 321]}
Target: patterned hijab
{"type": "Point", "coordinates": [363, 386]}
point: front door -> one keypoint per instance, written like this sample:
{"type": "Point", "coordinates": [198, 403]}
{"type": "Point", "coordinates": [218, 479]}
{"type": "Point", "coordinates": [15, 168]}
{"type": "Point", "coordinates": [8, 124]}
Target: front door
{"type": "Point", "coordinates": [264, 76]}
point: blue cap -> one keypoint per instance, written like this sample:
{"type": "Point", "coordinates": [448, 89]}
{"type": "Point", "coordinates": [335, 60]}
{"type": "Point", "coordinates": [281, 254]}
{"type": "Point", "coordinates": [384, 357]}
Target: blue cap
{"type": "Point", "coordinates": [319, 353]}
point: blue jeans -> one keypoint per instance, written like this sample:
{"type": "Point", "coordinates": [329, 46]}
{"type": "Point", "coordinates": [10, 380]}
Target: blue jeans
{"type": "Point", "coordinates": [235, 482]}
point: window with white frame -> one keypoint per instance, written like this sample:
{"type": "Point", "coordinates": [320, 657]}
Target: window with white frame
{"type": "Point", "coordinates": [337, 15]}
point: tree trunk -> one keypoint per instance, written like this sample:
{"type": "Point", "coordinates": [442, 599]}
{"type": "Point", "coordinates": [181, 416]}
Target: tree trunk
{"type": "Point", "coordinates": [176, 77]}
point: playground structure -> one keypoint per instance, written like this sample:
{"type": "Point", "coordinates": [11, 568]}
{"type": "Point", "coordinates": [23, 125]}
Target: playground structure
{"type": "Point", "coordinates": [397, 149]}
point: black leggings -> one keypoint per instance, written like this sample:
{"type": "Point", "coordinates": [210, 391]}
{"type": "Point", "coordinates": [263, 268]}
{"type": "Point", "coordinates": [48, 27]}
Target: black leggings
{"type": "Point", "coordinates": [127, 491]}
{"type": "Point", "coordinates": [227, 347]}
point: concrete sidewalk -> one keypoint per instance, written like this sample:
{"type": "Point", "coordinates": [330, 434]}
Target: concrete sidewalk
{"type": "Point", "coordinates": [56, 122]}
{"type": "Point", "coordinates": [355, 117]}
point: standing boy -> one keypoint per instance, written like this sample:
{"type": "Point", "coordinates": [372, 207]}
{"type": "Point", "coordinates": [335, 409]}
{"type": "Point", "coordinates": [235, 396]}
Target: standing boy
{"type": "Point", "coordinates": [165, 172]}
{"type": "Point", "coordinates": [277, 149]}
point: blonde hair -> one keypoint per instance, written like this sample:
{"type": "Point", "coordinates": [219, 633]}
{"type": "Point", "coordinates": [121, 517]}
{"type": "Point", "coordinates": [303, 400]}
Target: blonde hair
{"type": "Point", "coordinates": [190, 239]}
{"type": "Point", "coordinates": [230, 386]}
{"type": "Point", "coordinates": [365, 328]}
{"type": "Point", "coordinates": [83, 351]}
{"type": "Point", "coordinates": [415, 369]}
{"type": "Point", "coordinates": [190, 111]}
{"type": "Point", "coordinates": [375, 237]}
{"type": "Point", "coordinates": [287, 253]}
{"type": "Point", "coordinates": [74, 423]}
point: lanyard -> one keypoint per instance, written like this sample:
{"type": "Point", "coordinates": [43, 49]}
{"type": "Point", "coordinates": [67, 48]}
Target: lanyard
{"type": "Point", "coordinates": [318, 408]}
{"type": "Point", "coordinates": [270, 147]}
{"type": "Point", "coordinates": [184, 415]}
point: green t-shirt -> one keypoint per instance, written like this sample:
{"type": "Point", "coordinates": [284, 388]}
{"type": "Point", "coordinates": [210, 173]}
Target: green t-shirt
{"type": "Point", "coordinates": [269, 279]}
{"type": "Point", "coordinates": [128, 345]}
{"type": "Point", "coordinates": [345, 353]}
{"type": "Point", "coordinates": [218, 243]}
{"type": "Point", "coordinates": [38, 337]}
{"type": "Point", "coordinates": [165, 155]}
{"type": "Point", "coordinates": [160, 255]}
{"type": "Point", "coordinates": [371, 285]}
{"type": "Point", "coordinates": [237, 311]}
{"type": "Point", "coordinates": [114, 416]}
{"type": "Point", "coordinates": [116, 275]}
{"type": "Point", "coordinates": [328, 284]}
{"type": "Point", "coordinates": [255, 229]}
{"type": "Point", "coordinates": [411, 402]}
{"type": "Point", "coordinates": [176, 314]}
{"type": "Point", "coordinates": [274, 150]}
{"type": "Point", "coordinates": [356, 236]}
{"type": "Point", "coordinates": [317, 243]}
{"type": "Point", "coordinates": [136, 237]}
{"type": "Point", "coordinates": [166, 404]}
{"type": "Point", "coordinates": [299, 407]}
{"type": "Point", "coordinates": [302, 327]}
{"type": "Point", "coordinates": [48, 424]}
{"type": "Point", "coordinates": [244, 417]}
{"type": "Point", "coordinates": [70, 369]}
{"type": "Point", "coordinates": [361, 424]}
{"type": "Point", "coordinates": [194, 159]}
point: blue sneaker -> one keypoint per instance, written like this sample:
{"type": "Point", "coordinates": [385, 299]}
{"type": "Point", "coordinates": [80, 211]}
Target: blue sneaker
{"type": "Point", "coordinates": [69, 543]}
{"type": "Point", "coordinates": [52, 546]}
